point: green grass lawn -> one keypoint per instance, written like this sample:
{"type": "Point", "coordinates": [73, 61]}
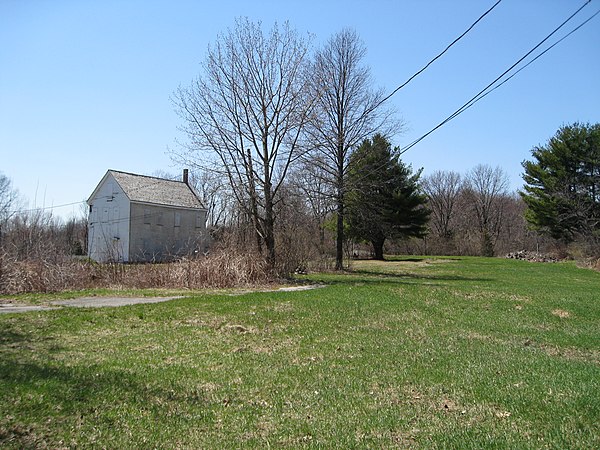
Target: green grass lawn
{"type": "Point", "coordinates": [446, 353]}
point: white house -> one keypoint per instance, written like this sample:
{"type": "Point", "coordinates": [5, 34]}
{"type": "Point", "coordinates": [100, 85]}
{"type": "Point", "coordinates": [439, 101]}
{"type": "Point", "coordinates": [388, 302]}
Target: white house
{"type": "Point", "coordinates": [136, 218]}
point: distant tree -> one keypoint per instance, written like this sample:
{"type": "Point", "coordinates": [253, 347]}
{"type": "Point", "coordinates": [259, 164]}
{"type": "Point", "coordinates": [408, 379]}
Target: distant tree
{"type": "Point", "coordinates": [9, 197]}
{"type": "Point", "coordinates": [562, 190]}
{"type": "Point", "coordinates": [443, 189]}
{"type": "Point", "coordinates": [348, 110]}
{"type": "Point", "coordinates": [384, 199]}
{"type": "Point", "coordinates": [486, 190]}
{"type": "Point", "coordinates": [9, 202]}
{"type": "Point", "coordinates": [245, 115]}
{"type": "Point", "coordinates": [74, 234]}
{"type": "Point", "coordinates": [515, 234]}
{"type": "Point", "coordinates": [215, 194]}
{"type": "Point", "coordinates": [312, 184]}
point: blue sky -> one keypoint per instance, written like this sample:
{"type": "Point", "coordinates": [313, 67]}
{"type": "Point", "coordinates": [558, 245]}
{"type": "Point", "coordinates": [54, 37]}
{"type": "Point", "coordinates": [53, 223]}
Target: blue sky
{"type": "Point", "coordinates": [85, 86]}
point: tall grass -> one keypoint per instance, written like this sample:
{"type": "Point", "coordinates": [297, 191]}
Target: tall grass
{"type": "Point", "coordinates": [219, 270]}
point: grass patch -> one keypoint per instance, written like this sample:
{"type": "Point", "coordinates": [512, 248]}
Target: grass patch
{"type": "Point", "coordinates": [423, 353]}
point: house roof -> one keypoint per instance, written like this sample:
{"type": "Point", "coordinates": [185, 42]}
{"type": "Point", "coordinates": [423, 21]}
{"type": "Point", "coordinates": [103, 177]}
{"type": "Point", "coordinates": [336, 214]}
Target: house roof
{"type": "Point", "coordinates": [145, 189]}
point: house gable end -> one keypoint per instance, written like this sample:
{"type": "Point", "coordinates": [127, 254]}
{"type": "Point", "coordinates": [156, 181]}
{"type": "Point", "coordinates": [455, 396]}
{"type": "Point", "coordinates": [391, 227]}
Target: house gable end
{"type": "Point", "coordinates": [99, 186]}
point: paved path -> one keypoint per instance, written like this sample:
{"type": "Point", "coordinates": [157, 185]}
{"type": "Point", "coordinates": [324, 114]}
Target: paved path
{"type": "Point", "coordinates": [16, 308]}
{"type": "Point", "coordinates": [100, 302]}
{"type": "Point", "coordinates": [84, 302]}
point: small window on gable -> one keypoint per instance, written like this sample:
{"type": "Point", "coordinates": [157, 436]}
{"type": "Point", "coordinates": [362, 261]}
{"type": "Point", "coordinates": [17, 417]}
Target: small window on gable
{"type": "Point", "coordinates": [104, 215]}
{"type": "Point", "coordinates": [147, 216]}
{"type": "Point", "coordinates": [177, 219]}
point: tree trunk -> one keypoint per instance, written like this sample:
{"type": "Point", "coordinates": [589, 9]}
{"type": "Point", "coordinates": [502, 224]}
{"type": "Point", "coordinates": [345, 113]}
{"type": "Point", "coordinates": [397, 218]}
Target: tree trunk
{"type": "Point", "coordinates": [269, 231]}
{"type": "Point", "coordinates": [487, 245]}
{"type": "Point", "coordinates": [253, 202]}
{"type": "Point", "coordinates": [321, 238]}
{"type": "Point", "coordinates": [378, 248]}
{"type": "Point", "coordinates": [269, 222]}
{"type": "Point", "coordinates": [257, 235]}
{"type": "Point", "coordinates": [339, 242]}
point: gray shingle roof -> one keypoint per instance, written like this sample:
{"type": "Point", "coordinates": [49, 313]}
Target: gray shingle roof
{"type": "Point", "coordinates": [141, 188]}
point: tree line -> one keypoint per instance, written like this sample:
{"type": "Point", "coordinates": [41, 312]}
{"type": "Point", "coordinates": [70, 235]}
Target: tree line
{"type": "Point", "coordinates": [278, 124]}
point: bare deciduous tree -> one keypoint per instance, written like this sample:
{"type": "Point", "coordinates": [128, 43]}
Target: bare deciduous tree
{"type": "Point", "coordinates": [311, 182]}
{"type": "Point", "coordinates": [487, 189]}
{"type": "Point", "coordinates": [8, 198]}
{"type": "Point", "coordinates": [215, 195]}
{"type": "Point", "coordinates": [443, 189]}
{"type": "Point", "coordinates": [244, 116]}
{"type": "Point", "coordinates": [348, 111]}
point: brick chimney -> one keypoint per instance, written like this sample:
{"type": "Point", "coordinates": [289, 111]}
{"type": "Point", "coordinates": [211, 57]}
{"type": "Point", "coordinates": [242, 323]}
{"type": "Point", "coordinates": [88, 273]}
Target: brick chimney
{"type": "Point", "coordinates": [185, 176]}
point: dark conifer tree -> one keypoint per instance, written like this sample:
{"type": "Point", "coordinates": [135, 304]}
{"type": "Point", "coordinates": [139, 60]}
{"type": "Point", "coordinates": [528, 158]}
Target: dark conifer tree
{"type": "Point", "coordinates": [384, 197]}
{"type": "Point", "coordinates": [562, 190]}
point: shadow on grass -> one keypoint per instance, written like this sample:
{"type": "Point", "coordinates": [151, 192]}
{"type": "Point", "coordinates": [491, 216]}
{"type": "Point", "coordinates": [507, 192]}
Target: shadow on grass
{"type": "Point", "coordinates": [38, 389]}
{"type": "Point", "coordinates": [416, 259]}
{"type": "Point", "coordinates": [353, 277]}
{"type": "Point", "coordinates": [12, 338]}
{"type": "Point", "coordinates": [414, 276]}
{"type": "Point", "coordinates": [397, 272]}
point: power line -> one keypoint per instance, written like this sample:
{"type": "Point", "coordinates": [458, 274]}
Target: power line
{"type": "Point", "coordinates": [537, 57]}
{"type": "Point", "coordinates": [44, 208]}
{"type": "Point", "coordinates": [487, 89]}
{"type": "Point", "coordinates": [482, 93]}
{"type": "Point", "coordinates": [438, 56]}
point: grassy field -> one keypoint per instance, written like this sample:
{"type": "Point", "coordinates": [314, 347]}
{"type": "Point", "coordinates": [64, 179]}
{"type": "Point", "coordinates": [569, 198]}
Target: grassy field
{"type": "Point", "coordinates": [426, 353]}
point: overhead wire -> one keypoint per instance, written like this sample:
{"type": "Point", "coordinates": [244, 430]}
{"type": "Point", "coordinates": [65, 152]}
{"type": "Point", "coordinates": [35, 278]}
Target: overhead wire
{"type": "Point", "coordinates": [483, 93]}
{"type": "Point", "coordinates": [537, 57]}
{"type": "Point", "coordinates": [439, 55]}
{"type": "Point", "coordinates": [488, 89]}
{"type": "Point", "coordinates": [44, 208]}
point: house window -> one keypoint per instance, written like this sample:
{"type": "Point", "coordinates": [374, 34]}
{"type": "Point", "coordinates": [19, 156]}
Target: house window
{"type": "Point", "coordinates": [147, 216]}
{"type": "Point", "coordinates": [159, 219]}
{"type": "Point", "coordinates": [104, 215]}
{"type": "Point", "coordinates": [177, 219]}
